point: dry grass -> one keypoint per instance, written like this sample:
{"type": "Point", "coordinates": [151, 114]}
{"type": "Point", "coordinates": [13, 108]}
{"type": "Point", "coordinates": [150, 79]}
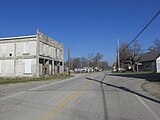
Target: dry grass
{"type": "Point", "coordinates": [29, 79]}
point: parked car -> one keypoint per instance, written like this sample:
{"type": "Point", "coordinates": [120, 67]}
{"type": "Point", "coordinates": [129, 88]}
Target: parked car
{"type": "Point", "coordinates": [121, 70]}
{"type": "Point", "coordinates": [114, 70]}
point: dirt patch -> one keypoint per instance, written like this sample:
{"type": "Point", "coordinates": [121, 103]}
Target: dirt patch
{"type": "Point", "coordinates": [152, 87]}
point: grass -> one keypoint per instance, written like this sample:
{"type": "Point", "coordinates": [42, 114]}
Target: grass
{"type": "Point", "coordinates": [29, 79]}
{"type": "Point", "coordinates": [130, 72]}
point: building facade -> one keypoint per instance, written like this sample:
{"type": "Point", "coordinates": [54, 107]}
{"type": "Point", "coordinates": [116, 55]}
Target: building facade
{"type": "Point", "coordinates": [35, 55]}
{"type": "Point", "coordinates": [148, 61]}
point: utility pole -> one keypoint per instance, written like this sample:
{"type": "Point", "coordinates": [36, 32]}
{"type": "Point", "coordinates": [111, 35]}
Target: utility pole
{"type": "Point", "coordinates": [69, 65]}
{"type": "Point", "coordinates": [118, 55]}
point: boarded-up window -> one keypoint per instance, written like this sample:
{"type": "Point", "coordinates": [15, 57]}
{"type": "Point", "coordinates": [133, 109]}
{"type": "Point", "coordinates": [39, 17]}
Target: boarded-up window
{"type": "Point", "coordinates": [46, 50]}
{"type": "Point", "coordinates": [43, 49]}
{"type": "Point", "coordinates": [27, 66]}
{"type": "Point", "coordinates": [4, 50]}
{"type": "Point", "coordinates": [0, 68]}
{"type": "Point", "coordinates": [1, 50]}
{"type": "Point", "coordinates": [26, 47]}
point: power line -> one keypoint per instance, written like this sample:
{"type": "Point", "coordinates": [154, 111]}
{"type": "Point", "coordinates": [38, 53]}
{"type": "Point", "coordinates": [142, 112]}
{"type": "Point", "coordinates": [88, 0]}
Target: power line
{"type": "Point", "coordinates": [143, 29]}
{"type": "Point", "coordinates": [130, 24]}
{"type": "Point", "coordinates": [138, 50]}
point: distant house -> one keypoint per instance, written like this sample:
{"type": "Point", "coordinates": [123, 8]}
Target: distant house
{"type": "Point", "coordinates": [149, 61]}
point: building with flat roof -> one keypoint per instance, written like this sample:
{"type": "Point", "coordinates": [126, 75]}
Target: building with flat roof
{"type": "Point", "coordinates": [34, 55]}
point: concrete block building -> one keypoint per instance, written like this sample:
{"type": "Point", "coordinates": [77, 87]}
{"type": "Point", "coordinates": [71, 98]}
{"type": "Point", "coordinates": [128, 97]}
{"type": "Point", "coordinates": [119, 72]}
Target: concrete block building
{"type": "Point", "coordinates": [34, 55]}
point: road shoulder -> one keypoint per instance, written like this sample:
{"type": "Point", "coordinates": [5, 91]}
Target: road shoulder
{"type": "Point", "coordinates": [152, 88]}
{"type": "Point", "coordinates": [10, 89]}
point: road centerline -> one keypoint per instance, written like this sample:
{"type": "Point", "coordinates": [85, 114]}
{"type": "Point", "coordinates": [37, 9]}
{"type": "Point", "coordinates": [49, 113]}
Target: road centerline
{"type": "Point", "coordinates": [51, 113]}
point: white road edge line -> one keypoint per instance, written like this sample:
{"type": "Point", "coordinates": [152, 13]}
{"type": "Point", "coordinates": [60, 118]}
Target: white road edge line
{"type": "Point", "coordinates": [42, 86]}
{"type": "Point", "coordinates": [148, 108]}
{"type": "Point", "coordinates": [16, 94]}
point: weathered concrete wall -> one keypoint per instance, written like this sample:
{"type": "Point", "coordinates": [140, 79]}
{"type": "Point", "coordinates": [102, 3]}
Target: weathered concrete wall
{"type": "Point", "coordinates": [46, 50]}
{"type": "Point", "coordinates": [19, 56]}
{"type": "Point", "coordinates": [26, 67]}
{"type": "Point", "coordinates": [7, 67]}
{"type": "Point", "coordinates": [50, 47]}
{"type": "Point", "coordinates": [52, 50]}
{"type": "Point", "coordinates": [26, 48]}
{"type": "Point", "coordinates": [6, 49]}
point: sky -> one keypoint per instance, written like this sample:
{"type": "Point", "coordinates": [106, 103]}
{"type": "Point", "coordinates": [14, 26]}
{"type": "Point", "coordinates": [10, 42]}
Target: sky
{"type": "Point", "coordinates": [84, 26]}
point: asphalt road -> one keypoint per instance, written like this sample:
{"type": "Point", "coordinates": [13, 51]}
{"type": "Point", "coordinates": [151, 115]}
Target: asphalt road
{"type": "Point", "coordinates": [95, 96]}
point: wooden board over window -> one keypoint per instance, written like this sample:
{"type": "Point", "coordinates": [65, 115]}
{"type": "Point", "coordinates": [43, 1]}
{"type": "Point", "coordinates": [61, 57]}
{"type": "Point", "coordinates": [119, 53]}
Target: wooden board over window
{"type": "Point", "coordinates": [0, 68]}
{"type": "Point", "coordinates": [27, 66]}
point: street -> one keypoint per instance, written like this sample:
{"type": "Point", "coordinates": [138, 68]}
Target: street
{"type": "Point", "coordinates": [92, 96]}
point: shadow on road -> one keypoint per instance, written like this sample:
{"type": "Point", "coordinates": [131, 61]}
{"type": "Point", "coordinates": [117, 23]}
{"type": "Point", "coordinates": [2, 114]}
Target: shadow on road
{"type": "Point", "coordinates": [103, 97]}
{"type": "Point", "coordinates": [122, 88]}
{"type": "Point", "coordinates": [151, 77]}
{"type": "Point", "coordinates": [104, 103]}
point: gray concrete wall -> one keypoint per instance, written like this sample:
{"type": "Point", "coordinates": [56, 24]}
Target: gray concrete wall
{"type": "Point", "coordinates": [52, 50]}
{"type": "Point", "coordinates": [18, 56]}
{"type": "Point", "coordinates": [7, 49]}
{"type": "Point", "coordinates": [7, 68]}
{"type": "Point", "coordinates": [26, 67]}
{"type": "Point", "coordinates": [26, 48]}
{"type": "Point", "coordinates": [46, 50]}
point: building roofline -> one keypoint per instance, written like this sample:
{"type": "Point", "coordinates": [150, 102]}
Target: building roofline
{"type": "Point", "coordinates": [52, 39]}
{"type": "Point", "coordinates": [18, 37]}
{"type": "Point", "coordinates": [31, 36]}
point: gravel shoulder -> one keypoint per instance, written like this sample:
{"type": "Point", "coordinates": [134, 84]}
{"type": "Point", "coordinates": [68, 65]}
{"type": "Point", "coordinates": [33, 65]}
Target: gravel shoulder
{"type": "Point", "coordinates": [152, 88]}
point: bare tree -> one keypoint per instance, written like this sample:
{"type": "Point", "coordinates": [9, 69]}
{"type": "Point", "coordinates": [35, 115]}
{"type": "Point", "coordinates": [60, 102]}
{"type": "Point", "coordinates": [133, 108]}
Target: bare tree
{"type": "Point", "coordinates": [156, 45]}
{"type": "Point", "coordinates": [136, 51]}
{"type": "Point", "coordinates": [90, 59]}
{"type": "Point", "coordinates": [103, 65]}
{"type": "Point", "coordinates": [129, 56]}
{"type": "Point", "coordinates": [76, 63]}
{"type": "Point", "coordinates": [97, 59]}
{"type": "Point", "coordinates": [125, 55]}
{"type": "Point", "coordinates": [93, 60]}
{"type": "Point", "coordinates": [84, 62]}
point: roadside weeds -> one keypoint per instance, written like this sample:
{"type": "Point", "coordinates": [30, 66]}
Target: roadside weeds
{"type": "Point", "coordinates": [4, 81]}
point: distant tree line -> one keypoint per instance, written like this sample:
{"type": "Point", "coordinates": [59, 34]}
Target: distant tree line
{"type": "Point", "coordinates": [156, 45]}
{"type": "Point", "coordinates": [92, 60]}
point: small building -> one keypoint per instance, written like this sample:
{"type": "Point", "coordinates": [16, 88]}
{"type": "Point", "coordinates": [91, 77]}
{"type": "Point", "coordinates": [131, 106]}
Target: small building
{"type": "Point", "coordinates": [34, 55]}
{"type": "Point", "coordinates": [149, 61]}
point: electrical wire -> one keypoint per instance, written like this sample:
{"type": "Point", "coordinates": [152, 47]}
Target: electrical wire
{"type": "Point", "coordinates": [155, 16]}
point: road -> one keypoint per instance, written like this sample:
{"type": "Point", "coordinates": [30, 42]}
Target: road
{"type": "Point", "coordinates": [95, 96]}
